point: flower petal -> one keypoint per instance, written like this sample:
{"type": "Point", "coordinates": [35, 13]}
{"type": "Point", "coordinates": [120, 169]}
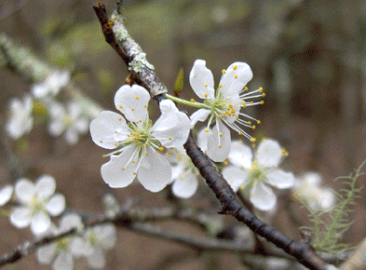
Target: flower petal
{"type": "Point", "coordinates": [280, 179]}
{"type": "Point", "coordinates": [108, 129]}
{"type": "Point", "coordinates": [106, 235]}
{"type": "Point", "coordinates": [219, 146]}
{"type": "Point", "coordinates": [262, 197]}
{"type": "Point", "coordinates": [45, 253]}
{"type": "Point", "coordinates": [24, 190]}
{"type": "Point", "coordinates": [200, 115]}
{"type": "Point", "coordinates": [235, 177]}
{"type": "Point", "coordinates": [121, 170]}
{"type": "Point", "coordinates": [186, 186]}
{"type": "Point", "coordinates": [202, 139]}
{"type": "Point", "coordinates": [155, 172]}
{"type": "Point", "coordinates": [5, 194]}
{"type": "Point", "coordinates": [56, 205]}
{"type": "Point", "coordinates": [96, 259]}
{"type": "Point", "coordinates": [70, 221]}
{"type": "Point", "coordinates": [132, 102]}
{"type": "Point", "coordinates": [40, 223]}
{"type": "Point", "coordinates": [269, 153]}
{"type": "Point", "coordinates": [63, 261]}
{"type": "Point", "coordinates": [241, 155]}
{"type": "Point", "coordinates": [235, 78]}
{"type": "Point", "coordinates": [172, 127]}
{"type": "Point", "coordinates": [45, 186]}
{"type": "Point", "coordinates": [80, 247]}
{"type": "Point", "coordinates": [20, 217]}
{"type": "Point", "coordinates": [202, 81]}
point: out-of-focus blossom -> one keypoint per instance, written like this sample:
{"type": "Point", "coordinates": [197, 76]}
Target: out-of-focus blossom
{"type": "Point", "coordinates": [51, 85]}
{"type": "Point", "coordinates": [20, 121]}
{"type": "Point", "coordinates": [5, 194]}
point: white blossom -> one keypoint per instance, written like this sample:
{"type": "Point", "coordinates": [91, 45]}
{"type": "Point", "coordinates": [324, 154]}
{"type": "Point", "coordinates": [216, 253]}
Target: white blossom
{"type": "Point", "coordinates": [308, 188]}
{"type": "Point", "coordinates": [138, 142]}
{"type": "Point", "coordinates": [21, 120]}
{"type": "Point", "coordinates": [256, 173]}
{"type": "Point", "coordinates": [5, 194]}
{"type": "Point", "coordinates": [63, 251]}
{"type": "Point", "coordinates": [184, 174]}
{"type": "Point", "coordinates": [51, 85]}
{"type": "Point", "coordinates": [69, 121]}
{"type": "Point", "coordinates": [224, 106]}
{"type": "Point", "coordinates": [38, 202]}
{"type": "Point", "coordinates": [99, 239]}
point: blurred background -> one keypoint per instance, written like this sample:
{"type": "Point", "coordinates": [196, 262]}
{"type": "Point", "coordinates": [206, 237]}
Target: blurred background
{"type": "Point", "coordinates": [309, 56]}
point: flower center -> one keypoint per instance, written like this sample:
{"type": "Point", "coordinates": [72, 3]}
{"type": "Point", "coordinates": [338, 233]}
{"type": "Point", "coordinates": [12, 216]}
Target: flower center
{"type": "Point", "coordinates": [37, 205]}
{"type": "Point", "coordinates": [68, 121]}
{"type": "Point", "coordinates": [255, 174]}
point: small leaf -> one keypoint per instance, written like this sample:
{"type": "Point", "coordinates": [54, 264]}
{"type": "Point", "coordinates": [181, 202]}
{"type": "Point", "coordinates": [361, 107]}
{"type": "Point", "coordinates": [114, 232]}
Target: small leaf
{"type": "Point", "coordinates": [178, 86]}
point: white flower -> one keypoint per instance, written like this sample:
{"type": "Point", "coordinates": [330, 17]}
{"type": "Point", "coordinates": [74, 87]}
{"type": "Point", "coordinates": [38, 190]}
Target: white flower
{"type": "Point", "coordinates": [63, 251]}
{"type": "Point", "coordinates": [256, 173]}
{"type": "Point", "coordinates": [138, 142]}
{"type": "Point", "coordinates": [98, 239]}
{"type": "Point", "coordinates": [38, 202]}
{"type": "Point", "coordinates": [51, 85]}
{"type": "Point", "coordinates": [5, 194]}
{"type": "Point", "coordinates": [70, 120]}
{"type": "Point", "coordinates": [21, 120]}
{"type": "Point", "coordinates": [224, 105]}
{"type": "Point", "coordinates": [184, 174]}
{"type": "Point", "coordinates": [308, 188]}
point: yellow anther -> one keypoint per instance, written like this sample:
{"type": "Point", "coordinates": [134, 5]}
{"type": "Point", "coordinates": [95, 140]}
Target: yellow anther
{"type": "Point", "coordinates": [219, 116]}
{"type": "Point", "coordinates": [260, 89]}
{"type": "Point", "coordinates": [252, 102]}
{"type": "Point", "coordinates": [103, 156]}
{"type": "Point", "coordinates": [259, 122]}
{"type": "Point", "coordinates": [101, 141]}
{"type": "Point", "coordinates": [242, 187]}
{"type": "Point", "coordinates": [192, 100]}
{"type": "Point", "coordinates": [118, 152]}
{"type": "Point", "coordinates": [170, 138]}
{"type": "Point", "coordinates": [284, 153]}
{"type": "Point", "coordinates": [123, 168]}
{"type": "Point", "coordinates": [226, 163]}
{"type": "Point", "coordinates": [205, 84]}
{"type": "Point", "coordinates": [133, 161]}
{"type": "Point", "coordinates": [246, 88]}
{"type": "Point", "coordinates": [116, 131]}
{"type": "Point", "coordinates": [249, 123]}
{"type": "Point", "coordinates": [136, 97]}
{"type": "Point", "coordinates": [181, 177]}
{"type": "Point", "coordinates": [220, 134]}
{"type": "Point", "coordinates": [119, 118]}
{"type": "Point", "coordinates": [132, 109]}
{"type": "Point", "coordinates": [220, 85]}
{"type": "Point", "coordinates": [206, 95]}
{"type": "Point", "coordinates": [197, 173]}
{"type": "Point", "coordinates": [235, 67]}
{"type": "Point", "coordinates": [220, 145]}
{"type": "Point", "coordinates": [134, 173]}
{"type": "Point", "coordinates": [146, 153]}
{"type": "Point", "coordinates": [263, 94]}
{"type": "Point", "coordinates": [262, 102]}
{"type": "Point", "coordinates": [235, 76]}
{"type": "Point", "coordinates": [115, 144]}
{"type": "Point", "coordinates": [149, 125]}
{"type": "Point", "coordinates": [206, 129]}
{"type": "Point", "coordinates": [161, 149]}
{"type": "Point", "coordinates": [145, 106]}
{"type": "Point", "coordinates": [253, 139]}
{"type": "Point", "coordinates": [120, 106]}
{"type": "Point", "coordinates": [254, 127]}
{"type": "Point", "coordinates": [240, 133]}
{"type": "Point", "coordinates": [223, 71]}
{"type": "Point", "coordinates": [244, 106]}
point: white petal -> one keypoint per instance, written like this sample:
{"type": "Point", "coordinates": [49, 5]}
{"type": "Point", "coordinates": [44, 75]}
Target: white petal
{"type": "Point", "coordinates": [70, 221]}
{"type": "Point", "coordinates": [108, 129]}
{"type": "Point", "coordinates": [219, 146]}
{"type": "Point", "coordinates": [96, 259]}
{"type": "Point", "coordinates": [45, 253]}
{"type": "Point", "coordinates": [56, 205]}
{"type": "Point", "coordinates": [71, 136]}
{"type": "Point", "coordinates": [39, 90]}
{"type": "Point", "coordinates": [79, 247]}
{"type": "Point", "coordinates": [201, 80]}
{"type": "Point", "coordinates": [132, 102]}
{"type": "Point", "coordinates": [200, 115]}
{"type": "Point", "coordinates": [280, 179]}
{"type": "Point", "coordinates": [63, 261]}
{"type": "Point", "coordinates": [234, 80]}
{"type": "Point", "coordinates": [312, 179]}
{"type": "Point", "coordinates": [106, 235]}
{"type": "Point", "coordinates": [81, 125]}
{"type": "Point", "coordinates": [185, 187]}
{"type": "Point", "coordinates": [155, 172]}
{"type": "Point", "coordinates": [20, 217]}
{"type": "Point", "coordinates": [269, 153]}
{"type": "Point", "coordinates": [5, 194]}
{"type": "Point", "coordinates": [40, 223]}
{"type": "Point", "coordinates": [45, 186]}
{"type": "Point", "coordinates": [202, 139]}
{"type": "Point", "coordinates": [235, 177]}
{"type": "Point", "coordinates": [327, 200]}
{"type": "Point", "coordinates": [262, 197]}
{"type": "Point", "coordinates": [56, 127]}
{"type": "Point", "coordinates": [241, 155]}
{"type": "Point", "coordinates": [172, 127]}
{"type": "Point", "coordinates": [120, 171]}
{"type": "Point", "coordinates": [24, 190]}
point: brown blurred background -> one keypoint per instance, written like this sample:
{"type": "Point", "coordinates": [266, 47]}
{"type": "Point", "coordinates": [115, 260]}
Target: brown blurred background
{"type": "Point", "coordinates": [309, 56]}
